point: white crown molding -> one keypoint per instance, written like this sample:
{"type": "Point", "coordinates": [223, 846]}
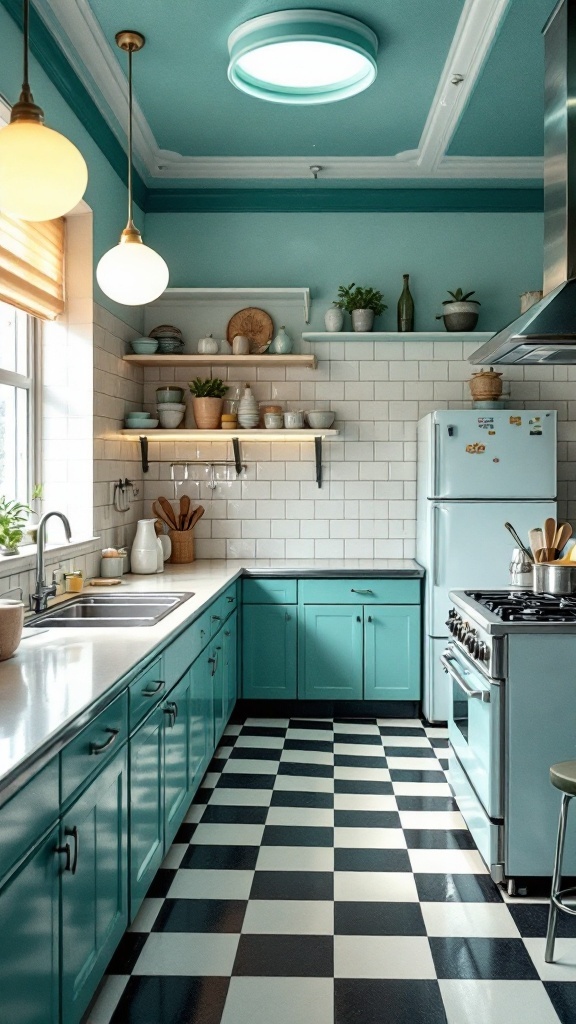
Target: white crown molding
{"type": "Point", "coordinates": [94, 60]}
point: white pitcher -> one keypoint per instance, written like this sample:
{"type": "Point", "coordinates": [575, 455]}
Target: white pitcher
{"type": "Point", "coordinates": [144, 554]}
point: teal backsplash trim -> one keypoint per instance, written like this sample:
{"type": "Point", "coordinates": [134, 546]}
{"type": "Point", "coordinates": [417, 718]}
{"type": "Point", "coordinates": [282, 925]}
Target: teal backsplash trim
{"type": "Point", "coordinates": [54, 62]}
{"type": "Point", "coordinates": [345, 200]}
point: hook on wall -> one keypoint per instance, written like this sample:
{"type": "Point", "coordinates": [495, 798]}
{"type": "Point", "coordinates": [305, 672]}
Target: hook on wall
{"type": "Point", "coordinates": [315, 169]}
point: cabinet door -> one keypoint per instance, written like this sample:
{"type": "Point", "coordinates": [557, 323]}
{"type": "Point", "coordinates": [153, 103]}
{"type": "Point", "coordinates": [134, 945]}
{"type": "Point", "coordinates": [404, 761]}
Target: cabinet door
{"type": "Point", "coordinates": [269, 651]}
{"type": "Point", "coordinates": [29, 968]}
{"type": "Point", "coordinates": [146, 806]}
{"type": "Point", "coordinates": [95, 886]}
{"type": "Point", "coordinates": [230, 660]}
{"type": "Point", "coordinates": [176, 757]}
{"type": "Point", "coordinates": [392, 652]}
{"type": "Point", "coordinates": [330, 652]}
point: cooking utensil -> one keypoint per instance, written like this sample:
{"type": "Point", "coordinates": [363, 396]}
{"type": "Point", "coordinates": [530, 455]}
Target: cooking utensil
{"type": "Point", "coordinates": [563, 534]}
{"type": "Point", "coordinates": [160, 513]}
{"type": "Point", "coordinates": [196, 515]}
{"type": "Point", "coordinates": [184, 509]}
{"type": "Point", "coordinates": [549, 533]}
{"type": "Point", "coordinates": [536, 541]}
{"type": "Point", "coordinates": [520, 544]}
{"type": "Point", "coordinates": [188, 519]}
{"type": "Point", "coordinates": [169, 512]}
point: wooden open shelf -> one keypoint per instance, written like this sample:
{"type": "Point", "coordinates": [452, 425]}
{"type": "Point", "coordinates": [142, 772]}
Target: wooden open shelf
{"type": "Point", "coordinates": [309, 361]}
{"type": "Point", "coordinates": [257, 434]}
{"type": "Point", "coordinates": [408, 336]}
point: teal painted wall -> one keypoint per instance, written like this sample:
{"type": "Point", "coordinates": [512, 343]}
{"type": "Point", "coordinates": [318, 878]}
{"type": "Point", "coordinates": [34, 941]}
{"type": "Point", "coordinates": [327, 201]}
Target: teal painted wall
{"type": "Point", "coordinates": [499, 255]}
{"type": "Point", "coordinates": [106, 193]}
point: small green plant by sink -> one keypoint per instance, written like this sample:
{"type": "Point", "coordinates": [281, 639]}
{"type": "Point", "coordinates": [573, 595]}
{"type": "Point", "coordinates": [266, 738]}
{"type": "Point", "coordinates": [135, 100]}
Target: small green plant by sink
{"type": "Point", "coordinates": [13, 519]}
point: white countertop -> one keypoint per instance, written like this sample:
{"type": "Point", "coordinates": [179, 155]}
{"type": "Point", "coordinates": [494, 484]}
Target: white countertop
{"type": "Point", "coordinates": [57, 675]}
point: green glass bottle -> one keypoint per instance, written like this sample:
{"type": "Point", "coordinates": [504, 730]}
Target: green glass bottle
{"type": "Point", "coordinates": [406, 307]}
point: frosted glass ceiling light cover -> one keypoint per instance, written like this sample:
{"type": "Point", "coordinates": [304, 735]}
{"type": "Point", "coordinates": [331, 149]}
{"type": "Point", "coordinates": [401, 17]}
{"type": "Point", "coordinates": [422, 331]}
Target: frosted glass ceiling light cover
{"type": "Point", "coordinates": [302, 57]}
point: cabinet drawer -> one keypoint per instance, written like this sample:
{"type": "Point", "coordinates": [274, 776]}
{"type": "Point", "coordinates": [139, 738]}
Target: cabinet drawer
{"type": "Point", "coordinates": [230, 600]}
{"type": "Point", "coordinates": [146, 689]}
{"type": "Point", "coordinates": [366, 591]}
{"type": "Point", "coordinates": [86, 754]}
{"type": "Point", "coordinates": [25, 817]}
{"type": "Point", "coordinates": [267, 591]}
{"type": "Point", "coordinates": [216, 613]}
{"type": "Point", "coordinates": [185, 648]}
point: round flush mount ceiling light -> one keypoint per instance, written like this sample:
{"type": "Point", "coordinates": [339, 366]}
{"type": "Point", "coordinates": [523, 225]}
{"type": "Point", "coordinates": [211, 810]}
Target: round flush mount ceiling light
{"type": "Point", "coordinates": [302, 57]}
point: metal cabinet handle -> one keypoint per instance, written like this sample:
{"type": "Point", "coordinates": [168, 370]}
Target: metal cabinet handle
{"type": "Point", "coordinates": [353, 591]}
{"type": "Point", "coordinates": [66, 851]}
{"type": "Point", "coordinates": [226, 632]}
{"type": "Point", "coordinates": [483, 695]}
{"type": "Point", "coordinates": [160, 684]}
{"type": "Point", "coordinates": [217, 617]}
{"type": "Point", "coordinates": [99, 748]}
{"type": "Point", "coordinates": [286, 617]}
{"type": "Point", "coordinates": [73, 833]}
{"type": "Point", "coordinates": [202, 632]}
{"type": "Point", "coordinates": [171, 709]}
{"type": "Point", "coordinates": [214, 662]}
{"type": "Point", "coordinates": [230, 600]}
{"type": "Point", "coordinates": [369, 618]}
{"type": "Point", "coordinates": [358, 618]}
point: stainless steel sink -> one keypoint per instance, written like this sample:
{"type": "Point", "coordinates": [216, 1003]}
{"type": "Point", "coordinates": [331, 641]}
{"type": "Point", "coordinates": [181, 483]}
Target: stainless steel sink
{"type": "Point", "coordinates": [111, 610]}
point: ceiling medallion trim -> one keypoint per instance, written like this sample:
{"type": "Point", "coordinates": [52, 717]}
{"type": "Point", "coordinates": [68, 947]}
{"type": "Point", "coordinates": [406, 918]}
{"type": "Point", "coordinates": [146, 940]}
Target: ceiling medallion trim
{"type": "Point", "coordinates": [91, 57]}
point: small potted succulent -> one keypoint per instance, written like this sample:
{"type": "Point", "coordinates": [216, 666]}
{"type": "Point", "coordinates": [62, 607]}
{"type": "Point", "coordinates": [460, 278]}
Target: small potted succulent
{"type": "Point", "coordinates": [362, 303]}
{"type": "Point", "coordinates": [207, 402]}
{"type": "Point", "coordinates": [13, 519]}
{"type": "Point", "coordinates": [460, 311]}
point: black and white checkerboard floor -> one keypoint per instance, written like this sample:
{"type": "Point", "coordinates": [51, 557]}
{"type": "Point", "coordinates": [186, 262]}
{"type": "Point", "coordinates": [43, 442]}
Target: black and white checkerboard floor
{"type": "Point", "coordinates": [324, 874]}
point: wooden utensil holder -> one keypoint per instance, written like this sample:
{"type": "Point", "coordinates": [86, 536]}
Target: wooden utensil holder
{"type": "Point", "coordinates": [182, 546]}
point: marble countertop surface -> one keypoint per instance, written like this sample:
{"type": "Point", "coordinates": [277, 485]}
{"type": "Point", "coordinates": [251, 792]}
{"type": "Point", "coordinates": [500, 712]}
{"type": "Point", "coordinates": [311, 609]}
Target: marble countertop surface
{"type": "Point", "coordinates": [59, 676]}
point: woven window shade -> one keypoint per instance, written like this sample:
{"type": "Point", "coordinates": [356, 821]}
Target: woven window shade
{"type": "Point", "coordinates": [32, 265]}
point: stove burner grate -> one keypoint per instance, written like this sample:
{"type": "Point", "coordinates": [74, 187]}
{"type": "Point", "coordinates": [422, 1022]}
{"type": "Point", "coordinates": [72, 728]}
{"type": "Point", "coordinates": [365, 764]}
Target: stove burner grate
{"type": "Point", "coordinates": [525, 606]}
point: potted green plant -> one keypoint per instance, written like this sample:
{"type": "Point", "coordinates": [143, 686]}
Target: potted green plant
{"type": "Point", "coordinates": [207, 402]}
{"type": "Point", "coordinates": [362, 303]}
{"type": "Point", "coordinates": [13, 519]}
{"type": "Point", "coordinates": [460, 311]}
{"type": "Point", "coordinates": [36, 499]}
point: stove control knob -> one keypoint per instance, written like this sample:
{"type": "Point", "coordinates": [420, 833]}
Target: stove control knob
{"type": "Point", "coordinates": [469, 641]}
{"type": "Point", "coordinates": [482, 651]}
{"type": "Point", "coordinates": [476, 649]}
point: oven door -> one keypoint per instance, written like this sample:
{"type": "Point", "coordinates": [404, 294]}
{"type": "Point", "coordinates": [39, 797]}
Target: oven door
{"type": "Point", "coordinates": [474, 728]}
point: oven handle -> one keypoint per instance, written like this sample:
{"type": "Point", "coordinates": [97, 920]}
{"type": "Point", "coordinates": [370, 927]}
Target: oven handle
{"type": "Point", "coordinates": [483, 695]}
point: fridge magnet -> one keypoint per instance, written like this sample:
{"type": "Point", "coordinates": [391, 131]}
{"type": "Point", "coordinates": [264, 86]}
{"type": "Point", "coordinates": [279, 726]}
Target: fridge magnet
{"type": "Point", "coordinates": [486, 422]}
{"type": "Point", "coordinates": [476, 448]}
{"type": "Point", "coordinates": [535, 425]}
{"type": "Point", "coordinates": [516, 421]}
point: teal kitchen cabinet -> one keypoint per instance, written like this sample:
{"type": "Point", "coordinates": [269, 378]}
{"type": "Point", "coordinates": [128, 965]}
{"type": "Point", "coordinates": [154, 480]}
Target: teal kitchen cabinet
{"type": "Point", "coordinates": [230, 665]}
{"type": "Point", "coordinates": [146, 805]}
{"type": "Point", "coordinates": [392, 652]}
{"type": "Point", "coordinates": [269, 650]}
{"type": "Point", "coordinates": [176, 756]}
{"type": "Point", "coordinates": [330, 652]}
{"type": "Point", "coordinates": [94, 884]}
{"type": "Point", "coordinates": [29, 938]}
{"type": "Point", "coordinates": [200, 721]}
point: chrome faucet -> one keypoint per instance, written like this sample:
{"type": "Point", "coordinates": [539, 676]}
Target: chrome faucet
{"type": "Point", "coordinates": [39, 599]}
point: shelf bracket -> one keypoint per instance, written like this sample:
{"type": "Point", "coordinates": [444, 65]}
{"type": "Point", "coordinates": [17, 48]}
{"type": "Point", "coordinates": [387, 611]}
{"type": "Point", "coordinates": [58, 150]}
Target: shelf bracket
{"type": "Point", "coordinates": [318, 450]}
{"type": "Point", "coordinates": [237, 456]}
{"type": "Point", "coordinates": [307, 305]}
{"type": "Point", "coordinates": [144, 452]}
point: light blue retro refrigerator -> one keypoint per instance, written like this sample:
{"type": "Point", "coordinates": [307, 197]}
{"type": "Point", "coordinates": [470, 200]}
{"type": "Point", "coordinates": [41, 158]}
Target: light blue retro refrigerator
{"type": "Point", "coordinates": [477, 469]}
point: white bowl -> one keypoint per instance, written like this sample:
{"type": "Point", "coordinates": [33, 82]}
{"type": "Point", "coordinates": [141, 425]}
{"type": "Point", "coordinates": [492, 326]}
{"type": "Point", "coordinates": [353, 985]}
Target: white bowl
{"type": "Point", "coordinates": [320, 419]}
{"type": "Point", "coordinates": [170, 419]}
{"type": "Point", "coordinates": [171, 407]}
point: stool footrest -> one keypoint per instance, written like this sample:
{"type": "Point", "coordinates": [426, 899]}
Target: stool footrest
{"type": "Point", "coordinates": [557, 898]}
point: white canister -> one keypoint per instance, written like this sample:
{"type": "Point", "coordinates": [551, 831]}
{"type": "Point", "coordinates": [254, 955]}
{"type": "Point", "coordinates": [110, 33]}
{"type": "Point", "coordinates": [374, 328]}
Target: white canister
{"type": "Point", "coordinates": [110, 568]}
{"type": "Point", "coordinates": [294, 420]}
{"type": "Point", "coordinates": [273, 420]}
{"type": "Point", "coordinates": [241, 345]}
{"type": "Point", "coordinates": [208, 346]}
{"type": "Point", "coordinates": [144, 554]}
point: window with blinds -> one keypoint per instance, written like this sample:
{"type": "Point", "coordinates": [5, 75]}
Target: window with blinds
{"type": "Point", "coordinates": [32, 266]}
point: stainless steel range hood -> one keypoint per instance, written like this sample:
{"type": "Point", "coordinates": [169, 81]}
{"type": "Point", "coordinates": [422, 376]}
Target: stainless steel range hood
{"type": "Point", "coordinates": [546, 333]}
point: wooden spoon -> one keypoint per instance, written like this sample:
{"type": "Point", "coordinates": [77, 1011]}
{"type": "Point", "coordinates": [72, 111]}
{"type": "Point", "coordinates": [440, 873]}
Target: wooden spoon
{"type": "Point", "coordinates": [169, 512]}
{"type": "Point", "coordinates": [536, 539]}
{"type": "Point", "coordinates": [162, 515]}
{"type": "Point", "coordinates": [184, 509]}
{"type": "Point", "coordinates": [563, 534]}
{"type": "Point", "coordinates": [549, 533]}
{"type": "Point", "coordinates": [196, 515]}
{"type": "Point", "coordinates": [188, 518]}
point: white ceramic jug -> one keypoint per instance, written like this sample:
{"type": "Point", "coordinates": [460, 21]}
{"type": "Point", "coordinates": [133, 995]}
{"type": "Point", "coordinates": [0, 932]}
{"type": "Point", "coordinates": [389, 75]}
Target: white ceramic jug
{"type": "Point", "coordinates": [144, 554]}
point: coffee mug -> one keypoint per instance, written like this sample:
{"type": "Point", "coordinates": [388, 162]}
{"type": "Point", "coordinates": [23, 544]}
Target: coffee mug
{"type": "Point", "coordinates": [273, 420]}
{"type": "Point", "coordinates": [294, 420]}
{"type": "Point", "coordinates": [241, 345]}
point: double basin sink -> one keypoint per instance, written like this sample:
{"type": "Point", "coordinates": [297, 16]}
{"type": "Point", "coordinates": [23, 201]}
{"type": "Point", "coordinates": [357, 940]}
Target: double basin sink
{"type": "Point", "coordinates": [110, 610]}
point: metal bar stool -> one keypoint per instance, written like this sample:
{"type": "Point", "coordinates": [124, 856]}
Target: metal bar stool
{"type": "Point", "coordinates": [563, 777]}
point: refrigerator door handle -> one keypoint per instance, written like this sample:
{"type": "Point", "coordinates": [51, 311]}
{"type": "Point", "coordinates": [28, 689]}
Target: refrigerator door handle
{"type": "Point", "coordinates": [436, 560]}
{"type": "Point", "coordinates": [436, 462]}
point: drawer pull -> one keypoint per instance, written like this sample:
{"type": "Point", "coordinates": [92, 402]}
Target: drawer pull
{"type": "Point", "coordinates": [214, 662]}
{"type": "Point", "coordinates": [171, 709]}
{"type": "Point", "coordinates": [353, 591]}
{"type": "Point", "coordinates": [99, 748]}
{"type": "Point", "coordinates": [230, 600]}
{"type": "Point", "coordinates": [369, 618]}
{"type": "Point", "coordinates": [66, 851]}
{"type": "Point", "coordinates": [358, 618]}
{"type": "Point", "coordinates": [73, 833]}
{"type": "Point", "coordinates": [216, 617]}
{"type": "Point", "coordinates": [226, 632]}
{"type": "Point", "coordinates": [286, 617]}
{"type": "Point", "coordinates": [160, 684]}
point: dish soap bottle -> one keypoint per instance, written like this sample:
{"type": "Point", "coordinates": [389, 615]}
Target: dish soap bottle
{"type": "Point", "coordinates": [282, 343]}
{"type": "Point", "coordinates": [248, 411]}
{"type": "Point", "coordinates": [406, 307]}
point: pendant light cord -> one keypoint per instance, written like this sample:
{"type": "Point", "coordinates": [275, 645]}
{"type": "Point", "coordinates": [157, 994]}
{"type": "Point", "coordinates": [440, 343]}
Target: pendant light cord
{"type": "Point", "coordinates": [26, 32]}
{"type": "Point", "coordinates": [130, 221]}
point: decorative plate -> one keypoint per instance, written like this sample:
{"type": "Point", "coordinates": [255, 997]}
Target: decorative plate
{"type": "Point", "coordinates": [256, 324]}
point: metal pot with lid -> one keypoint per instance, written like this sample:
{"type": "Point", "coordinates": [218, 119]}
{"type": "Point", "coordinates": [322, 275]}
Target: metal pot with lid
{"type": "Point", "coordinates": [551, 578]}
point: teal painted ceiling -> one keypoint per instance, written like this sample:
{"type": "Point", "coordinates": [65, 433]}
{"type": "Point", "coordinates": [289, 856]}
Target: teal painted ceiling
{"type": "Point", "coordinates": [191, 107]}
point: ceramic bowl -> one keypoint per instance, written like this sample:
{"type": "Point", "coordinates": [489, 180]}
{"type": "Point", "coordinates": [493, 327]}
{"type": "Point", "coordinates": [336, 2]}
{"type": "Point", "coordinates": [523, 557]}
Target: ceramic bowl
{"type": "Point", "coordinates": [294, 420]}
{"type": "Point", "coordinates": [137, 414]}
{"type": "Point", "coordinates": [165, 331]}
{"type": "Point", "coordinates": [169, 394]}
{"type": "Point", "coordinates": [146, 423]}
{"type": "Point", "coordinates": [170, 419]}
{"type": "Point", "coordinates": [170, 346]}
{"type": "Point", "coordinates": [320, 419]}
{"type": "Point", "coordinates": [171, 407]}
{"type": "Point", "coordinates": [144, 346]}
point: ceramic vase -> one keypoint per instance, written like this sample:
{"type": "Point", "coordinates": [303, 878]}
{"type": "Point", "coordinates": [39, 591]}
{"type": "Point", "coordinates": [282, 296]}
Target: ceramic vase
{"type": "Point", "coordinates": [282, 344]}
{"type": "Point", "coordinates": [362, 319]}
{"type": "Point", "coordinates": [208, 346]}
{"type": "Point", "coordinates": [334, 319]}
{"type": "Point", "coordinates": [248, 410]}
{"type": "Point", "coordinates": [207, 412]}
{"type": "Point", "coordinates": [460, 316]}
{"type": "Point", "coordinates": [144, 554]}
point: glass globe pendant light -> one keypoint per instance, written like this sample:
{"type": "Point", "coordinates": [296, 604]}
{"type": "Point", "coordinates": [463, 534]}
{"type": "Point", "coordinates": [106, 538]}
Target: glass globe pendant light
{"type": "Point", "coordinates": [131, 273]}
{"type": "Point", "coordinates": [42, 174]}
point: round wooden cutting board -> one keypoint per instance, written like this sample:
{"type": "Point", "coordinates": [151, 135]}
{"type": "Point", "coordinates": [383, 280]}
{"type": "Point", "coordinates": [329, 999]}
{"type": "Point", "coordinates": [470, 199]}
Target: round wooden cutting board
{"type": "Point", "coordinates": [255, 324]}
